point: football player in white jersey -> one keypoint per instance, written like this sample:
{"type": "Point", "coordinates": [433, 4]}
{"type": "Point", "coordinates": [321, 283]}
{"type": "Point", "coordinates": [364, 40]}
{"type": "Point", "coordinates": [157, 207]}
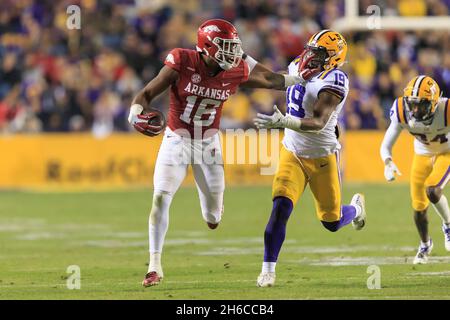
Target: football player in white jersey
{"type": "Point", "coordinates": [426, 116]}
{"type": "Point", "coordinates": [310, 153]}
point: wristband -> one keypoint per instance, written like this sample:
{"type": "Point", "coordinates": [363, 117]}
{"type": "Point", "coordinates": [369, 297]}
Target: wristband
{"type": "Point", "coordinates": [250, 62]}
{"type": "Point", "coordinates": [135, 109]}
{"type": "Point", "coordinates": [292, 123]}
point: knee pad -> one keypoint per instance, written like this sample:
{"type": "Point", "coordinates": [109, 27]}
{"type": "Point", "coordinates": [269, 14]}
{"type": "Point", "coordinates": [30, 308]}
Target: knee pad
{"type": "Point", "coordinates": [419, 205]}
{"type": "Point", "coordinates": [212, 207]}
{"type": "Point", "coordinates": [213, 217]}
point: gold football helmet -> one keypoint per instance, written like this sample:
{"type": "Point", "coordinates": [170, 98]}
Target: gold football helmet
{"type": "Point", "coordinates": [329, 47]}
{"type": "Point", "coordinates": [421, 96]}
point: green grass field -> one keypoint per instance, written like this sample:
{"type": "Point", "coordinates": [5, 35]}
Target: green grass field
{"type": "Point", "coordinates": [105, 234]}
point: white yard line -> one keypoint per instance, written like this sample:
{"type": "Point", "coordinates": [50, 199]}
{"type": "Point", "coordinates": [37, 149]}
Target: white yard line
{"type": "Point", "coordinates": [433, 274]}
{"type": "Point", "coordinates": [360, 261]}
{"type": "Point", "coordinates": [215, 251]}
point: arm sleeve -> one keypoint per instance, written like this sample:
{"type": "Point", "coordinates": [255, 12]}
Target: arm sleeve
{"type": "Point", "coordinates": [391, 135]}
{"type": "Point", "coordinates": [173, 59]}
{"type": "Point", "coordinates": [251, 63]}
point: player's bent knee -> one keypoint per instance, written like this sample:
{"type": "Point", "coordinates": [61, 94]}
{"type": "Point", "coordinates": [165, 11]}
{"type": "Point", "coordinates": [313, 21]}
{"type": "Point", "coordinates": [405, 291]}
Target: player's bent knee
{"type": "Point", "coordinates": [212, 217]}
{"type": "Point", "coordinates": [329, 216]}
{"type": "Point", "coordinates": [434, 194]}
{"type": "Point", "coordinates": [213, 208]}
{"type": "Point", "coordinates": [419, 205]}
{"type": "Point", "coordinates": [331, 226]}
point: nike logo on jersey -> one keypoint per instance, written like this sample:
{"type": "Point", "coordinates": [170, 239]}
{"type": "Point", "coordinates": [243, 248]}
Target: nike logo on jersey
{"type": "Point", "coordinates": [224, 84]}
{"type": "Point", "coordinates": [189, 68]}
{"type": "Point", "coordinates": [323, 165]}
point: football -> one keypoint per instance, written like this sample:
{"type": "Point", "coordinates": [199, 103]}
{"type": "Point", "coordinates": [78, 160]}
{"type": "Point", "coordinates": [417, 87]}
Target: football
{"type": "Point", "coordinates": [156, 123]}
{"type": "Point", "coordinates": [157, 120]}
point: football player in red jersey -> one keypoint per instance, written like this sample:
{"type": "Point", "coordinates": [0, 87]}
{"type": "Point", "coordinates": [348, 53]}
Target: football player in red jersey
{"type": "Point", "coordinates": [200, 82]}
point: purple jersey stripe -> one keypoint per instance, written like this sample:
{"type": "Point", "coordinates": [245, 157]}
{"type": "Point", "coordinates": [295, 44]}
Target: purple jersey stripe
{"type": "Point", "coordinates": [338, 167]}
{"type": "Point", "coordinates": [396, 109]}
{"type": "Point", "coordinates": [336, 154]}
{"type": "Point", "coordinates": [334, 87]}
{"type": "Point", "coordinates": [444, 177]}
{"type": "Point", "coordinates": [335, 90]}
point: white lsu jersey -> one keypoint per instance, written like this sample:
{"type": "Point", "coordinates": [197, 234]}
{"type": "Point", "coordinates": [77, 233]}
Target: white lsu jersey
{"type": "Point", "coordinates": [300, 101]}
{"type": "Point", "coordinates": [429, 140]}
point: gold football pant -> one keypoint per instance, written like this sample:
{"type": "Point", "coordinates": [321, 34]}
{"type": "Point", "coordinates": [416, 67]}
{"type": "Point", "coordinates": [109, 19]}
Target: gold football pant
{"type": "Point", "coordinates": [323, 176]}
{"type": "Point", "coordinates": [428, 171]}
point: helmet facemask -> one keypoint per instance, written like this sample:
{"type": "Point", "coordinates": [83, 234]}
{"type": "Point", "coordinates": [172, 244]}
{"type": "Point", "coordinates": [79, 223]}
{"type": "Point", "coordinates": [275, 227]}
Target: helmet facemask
{"type": "Point", "coordinates": [421, 109]}
{"type": "Point", "coordinates": [229, 53]}
{"type": "Point", "coordinates": [320, 56]}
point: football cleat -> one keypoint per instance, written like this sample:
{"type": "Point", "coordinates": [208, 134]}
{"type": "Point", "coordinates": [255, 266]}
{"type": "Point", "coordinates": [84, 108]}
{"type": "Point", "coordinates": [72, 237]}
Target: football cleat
{"type": "Point", "coordinates": [266, 279]}
{"type": "Point", "coordinates": [423, 253]}
{"type": "Point", "coordinates": [360, 220]}
{"type": "Point", "coordinates": [152, 279]}
{"type": "Point", "coordinates": [446, 231]}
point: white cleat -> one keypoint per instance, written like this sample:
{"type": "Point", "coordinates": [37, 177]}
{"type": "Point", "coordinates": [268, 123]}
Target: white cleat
{"type": "Point", "coordinates": [446, 231]}
{"type": "Point", "coordinates": [423, 253]}
{"type": "Point", "coordinates": [360, 220]}
{"type": "Point", "coordinates": [266, 279]}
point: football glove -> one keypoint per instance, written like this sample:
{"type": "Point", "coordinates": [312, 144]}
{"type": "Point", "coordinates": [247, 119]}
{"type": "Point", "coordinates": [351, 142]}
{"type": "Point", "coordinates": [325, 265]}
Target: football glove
{"type": "Point", "coordinates": [276, 120]}
{"type": "Point", "coordinates": [390, 169]}
{"type": "Point", "coordinates": [149, 124]}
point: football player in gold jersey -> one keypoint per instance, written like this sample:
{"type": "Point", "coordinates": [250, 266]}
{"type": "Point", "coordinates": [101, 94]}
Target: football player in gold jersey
{"type": "Point", "coordinates": [426, 116]}
{"type": "Point", "coordinates": [310, 153]}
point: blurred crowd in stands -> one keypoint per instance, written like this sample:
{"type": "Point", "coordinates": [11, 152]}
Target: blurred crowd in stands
{"type": "Point", "coordinates": [53, 79]}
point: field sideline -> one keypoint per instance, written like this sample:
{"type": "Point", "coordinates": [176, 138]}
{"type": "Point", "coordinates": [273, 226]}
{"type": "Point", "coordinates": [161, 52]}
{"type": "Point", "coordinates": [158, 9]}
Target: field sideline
{"type": "Point", "coordinates": [105, 234]}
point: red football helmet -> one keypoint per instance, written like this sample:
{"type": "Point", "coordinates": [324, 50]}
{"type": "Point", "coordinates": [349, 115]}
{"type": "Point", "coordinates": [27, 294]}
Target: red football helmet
{"type": "Point", "coordinates": [219, 39]}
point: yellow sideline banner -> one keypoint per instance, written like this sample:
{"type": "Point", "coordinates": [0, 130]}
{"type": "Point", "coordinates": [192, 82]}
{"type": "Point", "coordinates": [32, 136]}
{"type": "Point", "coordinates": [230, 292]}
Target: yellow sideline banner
{"type": "Point", "coordinates": [81, 161]}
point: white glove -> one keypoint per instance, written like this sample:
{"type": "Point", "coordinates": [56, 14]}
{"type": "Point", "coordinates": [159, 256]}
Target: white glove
{"type": "Point", "coordinates": [135, 110]}
{"type": "Point", "coordinates": [390, 169]}
{"type": "Point", "coordinates": [276, 120]}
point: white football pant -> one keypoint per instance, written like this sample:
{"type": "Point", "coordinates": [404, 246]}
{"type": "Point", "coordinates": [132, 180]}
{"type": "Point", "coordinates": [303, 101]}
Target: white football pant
{"type": "Point", "coordinates": [175, 155]}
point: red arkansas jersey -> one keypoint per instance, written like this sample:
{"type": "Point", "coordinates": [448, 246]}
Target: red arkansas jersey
{"type": "Point", "coordinates": [196, 99]}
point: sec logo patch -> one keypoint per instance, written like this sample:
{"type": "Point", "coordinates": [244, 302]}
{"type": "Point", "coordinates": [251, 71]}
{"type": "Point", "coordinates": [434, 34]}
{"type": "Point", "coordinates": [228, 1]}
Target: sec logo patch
{"type": "Point", "coordinates": [196, 78]}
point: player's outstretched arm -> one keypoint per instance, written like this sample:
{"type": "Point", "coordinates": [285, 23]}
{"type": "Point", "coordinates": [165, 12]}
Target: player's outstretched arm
{"type": "Point", "coordinates": [323, 109]}
{"type": "Point", "coordinates": [391, 136]}
{"type": "Point", "coordinates": [263, 77]}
